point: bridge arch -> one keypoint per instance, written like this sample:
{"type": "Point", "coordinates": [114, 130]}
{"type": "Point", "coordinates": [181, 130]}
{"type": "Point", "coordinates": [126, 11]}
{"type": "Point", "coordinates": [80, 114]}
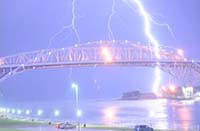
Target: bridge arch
{"type": "Point", "coordinates": [99, 53]}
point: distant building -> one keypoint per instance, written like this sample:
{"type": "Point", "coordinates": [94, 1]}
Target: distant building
{"type": "Point", "coordinates": [188, 92]}
{"type": "Point", "coordinates": [136, 95]}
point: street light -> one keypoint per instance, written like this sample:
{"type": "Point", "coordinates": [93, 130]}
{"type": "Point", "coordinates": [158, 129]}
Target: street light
{"type": "Point", "coordinates": [78, 111]}
{"type": "Point", "coordinates": [39, 112]}
{"type": "Point", "coordinates": [7, 110]}
{"type": "Point", "coordinates": [56, 113]}
{"type": "Point", "coordinates": [19, 112]}
{"type": "Point", "coordinates": [75, 87]}
{"type": "Point", "coordinates": [27, 112]}
{"type": "Point", "coordinates": [13, 111]}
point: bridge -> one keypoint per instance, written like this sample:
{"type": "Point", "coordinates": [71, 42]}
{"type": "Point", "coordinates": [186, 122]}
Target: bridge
{"type": "Point", "coordinates": [103, 53]}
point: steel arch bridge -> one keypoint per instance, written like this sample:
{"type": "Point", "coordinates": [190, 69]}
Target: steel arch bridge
{"type": "Point", "coordinates": [103, 53]}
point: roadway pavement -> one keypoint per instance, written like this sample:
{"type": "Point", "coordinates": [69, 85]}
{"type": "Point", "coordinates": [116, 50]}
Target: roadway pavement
{"type": "Point", "coordinates": [51, 128]}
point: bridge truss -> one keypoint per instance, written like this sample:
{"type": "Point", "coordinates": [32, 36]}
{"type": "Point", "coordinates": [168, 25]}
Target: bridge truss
{"type": "Point", "coordinates": [103, 53]}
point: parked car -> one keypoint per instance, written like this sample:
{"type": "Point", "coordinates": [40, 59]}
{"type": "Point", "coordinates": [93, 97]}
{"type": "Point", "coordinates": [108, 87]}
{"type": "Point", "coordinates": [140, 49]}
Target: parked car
{"type": "Point", "coordinates": [142, 128]}
{"type": "Point", "coordinates": [65, 126]}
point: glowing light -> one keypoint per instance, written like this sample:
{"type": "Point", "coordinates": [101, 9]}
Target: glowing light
{"type": "Point", "coordinates": [180, 52]}
{"type": "Point", "coordinates": [19, 112]}
{"type": "Point", "coordinates": [39, 112]}
{"type": "Point", "coordinates": [13, 111]}
{"type": "Point", "coordinates": [185, 115]}
{"type": "Point", "coordinates": [36, 58]}
{"type": "Point", "coordinates": [27, 112]}
{"type": "Point", "coordinates": [22, 65]}
{"type": "Point", "coordinates": [192, 61]}
{"type": "Point", "coordinates": [164, 89]}
{"type": "Point", "coordinates": [110, 114]}
{"type": "Point", "coordinates": [152, 39]}
{"type": "Point", "coordinates": [79, 113]}
{"type": "Point", "coordinates": [1, 61]}
{"type": "Point", "coordinates": [74, 86]}
{"type": "Point", "coordinates": [172, 88]}
{"type": "Point", "coordinates": [7, 110]}
{"type": "Point", "coordinates": [2, 110]}
{"type": "Point", "coordinates": [106, 53]}
{"type": "Point", "coordinates": [151, 114]}
{"type": "Point", "coordinates": [56, 113]}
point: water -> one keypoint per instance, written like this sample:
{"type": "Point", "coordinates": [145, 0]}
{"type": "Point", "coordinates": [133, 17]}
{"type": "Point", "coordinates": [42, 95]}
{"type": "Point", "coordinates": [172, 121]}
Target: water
{"type": "Point", "coordinates": [161, 114]}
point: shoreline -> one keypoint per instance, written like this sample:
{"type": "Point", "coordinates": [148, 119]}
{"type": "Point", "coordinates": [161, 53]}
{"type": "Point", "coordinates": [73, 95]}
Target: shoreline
{"type": "Point", "coordinates": [9, 124]}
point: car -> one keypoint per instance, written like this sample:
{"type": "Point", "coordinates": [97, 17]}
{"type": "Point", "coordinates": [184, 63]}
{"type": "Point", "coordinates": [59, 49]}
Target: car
{"type": "Point", "coordinates": [65, 126]}
{"type": "Point", "coordinates": [142, 128]}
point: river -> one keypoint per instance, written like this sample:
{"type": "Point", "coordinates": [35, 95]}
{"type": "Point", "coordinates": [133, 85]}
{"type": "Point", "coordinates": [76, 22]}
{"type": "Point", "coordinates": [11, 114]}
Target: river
{"type": "Point", "coordinates": [160, 113]}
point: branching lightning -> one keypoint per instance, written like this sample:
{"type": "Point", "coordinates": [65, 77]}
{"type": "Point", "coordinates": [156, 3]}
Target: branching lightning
{"type": "Point", "coordinates": [147, 28]}
{"type": "Point", "coordinates": [111, 35]}
{"type": "Point", "coordinates": [164, 25]}
{"type": "Point", "coordinates": [72, 26]}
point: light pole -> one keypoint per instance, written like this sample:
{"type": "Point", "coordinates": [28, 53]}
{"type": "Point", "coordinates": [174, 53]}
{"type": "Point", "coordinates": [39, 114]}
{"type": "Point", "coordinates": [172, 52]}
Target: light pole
{"type": "Point", "coordinates": [75, 87]}
{"type": "Point", "coordinates": [78, 111]}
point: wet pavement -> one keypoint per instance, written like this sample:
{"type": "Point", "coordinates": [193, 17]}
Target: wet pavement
{"type": "Point", "coordinates": [51, 128]}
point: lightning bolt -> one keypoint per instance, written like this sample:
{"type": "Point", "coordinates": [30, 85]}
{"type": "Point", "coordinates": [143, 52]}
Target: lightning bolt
{"type": "Point", "coordinates": [72, 26]}
{"type": "Point", "coordinates": [164, 25]}
{"type": "Point", "coordinates": [147, 29]}
{"type": "Point", "coordinates": [111, 35]}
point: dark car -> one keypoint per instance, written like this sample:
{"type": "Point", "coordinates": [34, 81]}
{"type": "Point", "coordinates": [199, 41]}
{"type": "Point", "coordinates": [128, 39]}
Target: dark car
{"type": "Point", "coordinates": [65, 126]}
{"type": "Point", "coordinates": [143, 128]}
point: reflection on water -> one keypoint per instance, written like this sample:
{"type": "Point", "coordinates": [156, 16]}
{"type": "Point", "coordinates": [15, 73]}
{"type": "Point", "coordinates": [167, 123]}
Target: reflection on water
{"type": "Point", "coordinates": [161, 114]}
{"type": "Point", "coordinates": [110, 115]}
{"type": "Point", "coordinates": [137, 112]}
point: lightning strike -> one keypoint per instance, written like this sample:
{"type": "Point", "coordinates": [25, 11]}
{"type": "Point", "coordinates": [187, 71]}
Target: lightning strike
{"type": "Point", "coordinates": [147, 28]}
{"type": "Point", "coordinates": [111, 35]}
{"type": "Point", "coordinates": [72, 26]}
{"type": "Point", "coordinates": [164, 25]}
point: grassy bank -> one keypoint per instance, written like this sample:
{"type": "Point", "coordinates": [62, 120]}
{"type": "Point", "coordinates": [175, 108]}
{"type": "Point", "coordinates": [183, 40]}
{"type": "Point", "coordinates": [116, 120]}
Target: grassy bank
{"type": "Point", "coordinates": [10, 125]}
{"type": "Point", "coordinates": [9, 130]}
{"type": "Point", "coordinates": [104, 127]}
{"type": "Point", "coordinates": [10, 122]}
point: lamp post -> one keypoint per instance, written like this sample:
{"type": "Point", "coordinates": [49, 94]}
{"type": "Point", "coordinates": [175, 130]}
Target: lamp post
{"type": "Point", "coordinates": [78, 111]}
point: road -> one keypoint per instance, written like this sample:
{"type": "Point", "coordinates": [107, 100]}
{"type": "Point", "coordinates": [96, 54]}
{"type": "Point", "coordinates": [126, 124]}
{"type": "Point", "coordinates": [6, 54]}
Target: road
{"type": "Point", "coordinates": [51, 128]}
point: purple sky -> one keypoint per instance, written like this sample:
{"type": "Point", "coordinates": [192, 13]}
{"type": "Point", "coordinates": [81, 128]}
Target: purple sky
{"type": "Point", "coordinates": [28, 25]}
